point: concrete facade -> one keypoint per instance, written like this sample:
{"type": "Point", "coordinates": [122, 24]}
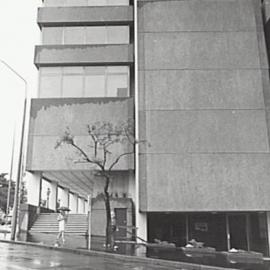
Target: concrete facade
{"type": "Point", "coordinates": [44, 133]}
{"type": "Point", "coordinates": [50, 117]}
{"type": "Point", "coordinates": [202, 106]}
{"type": "Point", "coordinates": [199, 93]}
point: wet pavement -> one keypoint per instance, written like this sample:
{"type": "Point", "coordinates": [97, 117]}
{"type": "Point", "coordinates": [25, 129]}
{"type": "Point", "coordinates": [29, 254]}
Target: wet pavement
{"type": "Point", "coordinates": [23, 257]}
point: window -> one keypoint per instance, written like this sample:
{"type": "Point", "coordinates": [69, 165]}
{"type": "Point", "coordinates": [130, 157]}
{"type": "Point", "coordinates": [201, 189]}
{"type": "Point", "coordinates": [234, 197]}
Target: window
{"type": "Point", "coordinates": [117, 82]}
{"type": "Point", "coordinates": [111, 81]}
{"type": "Point", "coordinates": [52, 35]}
{"type": "Point", "coordinates": [117, 35]}
{"type": "Point", "coordinates": [76, 3]}
{"type": "Point", "coordinates": [54, 3]}
{"type": "Point", "coordinates": [72, 86]}
{"type": "Point", "coordinates": [73, 35]}
{"type": "Point", "coordinates": [86, 35]}
{"type": "Point", "coordinates": [97, 2]}
{"type": "Point", "coordinates": [96, 35]}
{"type": "Point", "coordinates": [50, 86]}
{"type": "Point", "coordinates": [69, 3]}
{"type": "Point", "coordinates": [50, 82]}
{"type": "Point", "coordinates": [95, 81]}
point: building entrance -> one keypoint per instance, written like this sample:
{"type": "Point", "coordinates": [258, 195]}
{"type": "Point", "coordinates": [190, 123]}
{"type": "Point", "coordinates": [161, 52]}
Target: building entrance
{"type": "Point", "coordinates": [121, 220]}
{"type": "Point", "coordinates": [238, 231]}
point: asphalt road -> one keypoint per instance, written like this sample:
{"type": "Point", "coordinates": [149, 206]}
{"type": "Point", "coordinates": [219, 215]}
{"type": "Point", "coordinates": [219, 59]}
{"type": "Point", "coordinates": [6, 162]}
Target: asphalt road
{"type": "Point", "coordinates": [22, 257]}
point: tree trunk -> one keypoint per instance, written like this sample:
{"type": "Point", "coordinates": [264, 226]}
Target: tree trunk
{"type": "Point", "coordinates": [109, 232]}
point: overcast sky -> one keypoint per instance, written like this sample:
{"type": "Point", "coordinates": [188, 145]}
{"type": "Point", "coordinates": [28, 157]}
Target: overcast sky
{"type": "Point", "coordinates": [19, 33]}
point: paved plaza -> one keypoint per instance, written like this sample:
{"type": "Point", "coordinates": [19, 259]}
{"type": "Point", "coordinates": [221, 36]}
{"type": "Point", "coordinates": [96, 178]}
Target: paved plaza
{"type": "Point", "coordinates": [23, 257]}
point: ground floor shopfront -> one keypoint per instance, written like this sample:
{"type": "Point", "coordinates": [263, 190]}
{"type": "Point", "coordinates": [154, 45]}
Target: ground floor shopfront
{"type": "Point", "coordinates": [223, 231]}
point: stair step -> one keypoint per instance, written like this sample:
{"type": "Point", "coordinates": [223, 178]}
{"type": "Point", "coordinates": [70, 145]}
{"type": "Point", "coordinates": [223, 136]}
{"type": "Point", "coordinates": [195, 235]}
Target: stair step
{"type": "Point", "coordinates": [47, 223]}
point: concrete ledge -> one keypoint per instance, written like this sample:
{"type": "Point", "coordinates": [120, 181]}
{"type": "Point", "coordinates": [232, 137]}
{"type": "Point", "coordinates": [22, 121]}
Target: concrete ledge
{"type": "Point", "coordinates": [111, 15]}
{"type": "Point", "coordinates": [125, 258]}
{"type": "Point", "coordinates": [53, 55]}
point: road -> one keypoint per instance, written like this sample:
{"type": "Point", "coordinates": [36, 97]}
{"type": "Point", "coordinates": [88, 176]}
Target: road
{"type": "Point", "coordinates": [22, 257]}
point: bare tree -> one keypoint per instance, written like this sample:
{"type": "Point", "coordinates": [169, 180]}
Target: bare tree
{"type": "Point", "coordinates": [109, 143]}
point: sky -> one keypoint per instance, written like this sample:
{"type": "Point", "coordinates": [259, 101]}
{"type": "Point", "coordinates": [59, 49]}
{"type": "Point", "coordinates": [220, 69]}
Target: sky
{"type": "Point", "coordinates": [19, 33]}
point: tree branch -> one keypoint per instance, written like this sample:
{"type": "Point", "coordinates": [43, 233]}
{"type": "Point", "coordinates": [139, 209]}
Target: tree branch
{"type": "Point", "coordinates": [118, 158]}
{"type": "Point", "coordinates": [104, 156]}
{"type": "Point", "coordinates": [86, 156]}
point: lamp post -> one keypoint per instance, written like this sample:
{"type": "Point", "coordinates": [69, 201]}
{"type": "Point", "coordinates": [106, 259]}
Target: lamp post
{"type": "Point", "coordinates": [19, 171]}
{"type": "Point", "coordinates": [10, 172]}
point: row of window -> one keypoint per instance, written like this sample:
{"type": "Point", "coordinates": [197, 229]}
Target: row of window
{"type": "Point", "coordinates": [85, 35]}
{"type": "Point", "coordinates": [69, 3]}
{"type": "Point", "coordinates": [105, 81]}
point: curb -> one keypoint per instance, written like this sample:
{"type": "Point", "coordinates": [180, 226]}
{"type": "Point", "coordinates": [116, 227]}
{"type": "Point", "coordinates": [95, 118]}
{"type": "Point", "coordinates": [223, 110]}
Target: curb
{"type": "Point", "coordinates": [124, 258]}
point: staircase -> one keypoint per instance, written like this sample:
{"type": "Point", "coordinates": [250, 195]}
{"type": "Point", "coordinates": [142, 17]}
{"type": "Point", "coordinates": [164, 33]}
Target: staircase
{"type": "Point", "coordinates": [45, 230]}
{"type": "Point", "coordinates": [47, 223]}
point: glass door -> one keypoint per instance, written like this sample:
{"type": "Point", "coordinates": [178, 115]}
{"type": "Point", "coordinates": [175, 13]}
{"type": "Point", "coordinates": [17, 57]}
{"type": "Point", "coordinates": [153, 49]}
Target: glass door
{"type": "Point", "coordinates": [238, 231]}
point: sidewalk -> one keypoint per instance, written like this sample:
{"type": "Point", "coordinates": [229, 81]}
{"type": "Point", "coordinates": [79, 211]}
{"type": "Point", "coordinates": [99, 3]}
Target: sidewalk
{"type": "Point", "coordinates": [123, 258]}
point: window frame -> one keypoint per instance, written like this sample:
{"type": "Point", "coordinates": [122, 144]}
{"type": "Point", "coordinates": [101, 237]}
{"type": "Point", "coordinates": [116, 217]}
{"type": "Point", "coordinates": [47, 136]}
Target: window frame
{"type": "Point", "coordinates": [85, 71]}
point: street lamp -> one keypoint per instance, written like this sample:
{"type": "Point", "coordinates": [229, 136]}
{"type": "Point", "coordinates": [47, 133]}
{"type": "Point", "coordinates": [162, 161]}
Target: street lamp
{"type": "Point", "coordinates": [19, 172]}
{"type": "Point", "coordinates": [10, 172]}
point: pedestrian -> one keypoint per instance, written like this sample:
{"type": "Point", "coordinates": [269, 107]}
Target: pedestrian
{"type": "Point", "coordinates": [62, 219]}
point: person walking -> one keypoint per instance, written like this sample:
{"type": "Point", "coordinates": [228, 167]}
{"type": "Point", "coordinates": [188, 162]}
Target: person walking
{"type": "Point", "coordinates": [62, 219]}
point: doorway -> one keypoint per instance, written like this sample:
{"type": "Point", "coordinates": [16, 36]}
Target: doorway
{"type": "Point", "coordinates": [121, 222]}
{"type": "Point", "coordinates": [238, 231]}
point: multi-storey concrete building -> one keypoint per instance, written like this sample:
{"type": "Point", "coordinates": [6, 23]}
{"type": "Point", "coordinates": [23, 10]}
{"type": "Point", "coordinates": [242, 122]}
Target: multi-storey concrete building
{"type": "Point", "coordinates": [194, 76]}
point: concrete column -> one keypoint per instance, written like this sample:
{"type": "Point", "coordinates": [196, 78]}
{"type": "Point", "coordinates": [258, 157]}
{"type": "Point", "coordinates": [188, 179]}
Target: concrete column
{"type": "Point", "coordinates": [141, 224]}
{"type": "Point", "coordinates": [268, 229]}
{"type": "Point", "coordinates": [131, 186]}
{"type": "Point", "coordinates": [53, 195]}
{"type": "Point", "coordinates": [89, 212]}
{"type": "Point", "coordinates": [266, 9]}
{"type": "Point", "coordinates": [33, 186]}
{"type": "Point", "coordinates": [85, 207]}
{"type": "Point", "coordinates": [73, 203]}
{"type": "Point", "coordinates": [80, 205]}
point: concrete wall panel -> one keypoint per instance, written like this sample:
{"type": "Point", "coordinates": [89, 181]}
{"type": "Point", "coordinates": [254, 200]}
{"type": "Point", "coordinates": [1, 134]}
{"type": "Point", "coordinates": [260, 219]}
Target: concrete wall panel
{"type": "Point", "coordinates": [202, 89]}
{"type": "Point", "coordinates": [200, 50]}
{"type": "Point", "coordinates": [67, 112]}
{"type": "Point", "coordinates": [45, 157]}
{"type": "Point", "coordinates": [220, 182]}
{"type": "Point", "coordinates": [119, 186]}
{"type": "Point", "coordinates": [198, 15]}
{"type": "Point", "coordinates": [203, 101]}
{"type": "Point", "coordinates": [49, 120]}
{"type": "Point", "coordinates": [206, 131]}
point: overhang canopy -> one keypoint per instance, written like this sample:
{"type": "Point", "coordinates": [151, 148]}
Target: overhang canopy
{"type": "Point", "coordinates": [78, 182]}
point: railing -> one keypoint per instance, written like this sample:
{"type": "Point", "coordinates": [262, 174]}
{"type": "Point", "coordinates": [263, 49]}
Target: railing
{"type": "Point", "coordinates": [130, 240]}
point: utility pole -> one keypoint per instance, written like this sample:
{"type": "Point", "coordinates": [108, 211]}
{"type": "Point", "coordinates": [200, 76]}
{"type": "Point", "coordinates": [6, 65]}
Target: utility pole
{"type": "Point", "coordinates": [19, 171]}
{"type": "Point", "coordinates": [10, 173]}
